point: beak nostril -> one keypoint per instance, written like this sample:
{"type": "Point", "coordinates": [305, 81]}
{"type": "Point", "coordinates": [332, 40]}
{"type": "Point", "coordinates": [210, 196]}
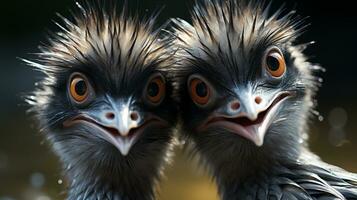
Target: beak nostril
{"type": "Point", "coordinates": [134, 116]}
{"type": "Point", "coordinates": [258, 100]}
{"type": "Point", "coordinates": [110, 115]}
{"type": "Point", "coordinates": [235, 105]}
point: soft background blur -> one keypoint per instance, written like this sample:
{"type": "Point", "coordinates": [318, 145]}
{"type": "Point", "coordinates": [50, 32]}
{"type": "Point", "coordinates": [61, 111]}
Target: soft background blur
{"type": "Point", "coordinates": [29, 170]}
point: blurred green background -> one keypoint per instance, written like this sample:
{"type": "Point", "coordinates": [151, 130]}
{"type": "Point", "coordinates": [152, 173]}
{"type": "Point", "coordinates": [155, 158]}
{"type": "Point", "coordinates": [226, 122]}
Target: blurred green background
{"type": "Point", "coordinates": [30, 171]}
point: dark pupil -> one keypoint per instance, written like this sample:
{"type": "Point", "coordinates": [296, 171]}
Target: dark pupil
{"type": "Point", "coordinates": [272, 63]}
{"type": "Point", "coordinates": [81, 88]}
{"type": "Point", "coordinates": [153, 89]}
{"type": "Point", "coordinates": [201, 89]}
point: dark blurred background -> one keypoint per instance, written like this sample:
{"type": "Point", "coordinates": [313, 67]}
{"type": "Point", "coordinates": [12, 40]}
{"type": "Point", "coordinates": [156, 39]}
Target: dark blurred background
{"type": "Point", "coordinates": [30, 171]}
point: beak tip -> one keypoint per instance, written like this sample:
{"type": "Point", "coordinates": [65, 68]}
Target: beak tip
{"type": "Point", "coordinates": [124, 150]}
{"type": "Point", "coordinates": [124, 153]}
{"type": "Point", "coordinates": [259, 138]}
{"type": "Point", "coordinates": [259, 143]}
{"type": "Point", "coordinates": [124, 145]}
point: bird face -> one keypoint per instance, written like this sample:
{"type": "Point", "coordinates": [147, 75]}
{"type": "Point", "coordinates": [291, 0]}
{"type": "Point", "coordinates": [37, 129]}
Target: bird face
{"type": "Point", "coordinates": [246, 109]}
{"type": "Point", "coordinates": [98, 114]}
{"type": "Point", "coordinates": [119, 119]}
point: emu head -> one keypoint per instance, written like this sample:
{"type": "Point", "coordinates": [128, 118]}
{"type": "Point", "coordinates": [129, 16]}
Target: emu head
{"type": "Point", "coordinates": [104, 103]}
{"type": "Point", "coordinates": [245, 86]}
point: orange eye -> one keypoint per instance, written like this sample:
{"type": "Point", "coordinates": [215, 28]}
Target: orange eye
{"type": "Point", "coordinates": [200, 92]}
{"type": "Point", "coordinates": [155, 90]}
{"type": "Point", "coordinates": [79, 88]}
{"type": "Point", "coordinates": [275, 63]}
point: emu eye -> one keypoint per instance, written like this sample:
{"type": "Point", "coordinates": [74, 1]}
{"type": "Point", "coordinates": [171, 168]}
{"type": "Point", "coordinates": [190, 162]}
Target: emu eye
{"type": "Point", "coordinates": [79, 88]}
{"type": "Point", "coordinates": [199, 91]}
{"type": "Point", "coordinates": [275, 63]}
{"type": "Point", "coordinates": [155, 90]}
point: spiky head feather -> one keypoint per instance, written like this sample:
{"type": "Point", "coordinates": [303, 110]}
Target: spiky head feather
{"type": "Point", "coordinates": [119, 45]}
{"type": "Point", "coordinates": [229, 31]}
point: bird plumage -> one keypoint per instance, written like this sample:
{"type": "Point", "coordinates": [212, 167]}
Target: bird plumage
{"type": "Point", "coordinates": [111, 56]}
{"type": "Point", "coordinates": [227, 49]}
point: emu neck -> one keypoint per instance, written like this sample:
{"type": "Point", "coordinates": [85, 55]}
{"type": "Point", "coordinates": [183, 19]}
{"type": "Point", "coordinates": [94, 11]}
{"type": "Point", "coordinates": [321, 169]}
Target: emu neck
{"type": "Point", "coordinates": [119, 182]}
{"type": "Point", "coordinates": [110, 189]}
{"type": "Point", "coordinates": [257, 172]}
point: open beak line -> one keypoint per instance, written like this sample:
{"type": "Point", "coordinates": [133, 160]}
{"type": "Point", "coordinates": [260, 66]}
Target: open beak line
{"type": "Point", "coordinates": [113, 135]}
{"type": "Point", "coordinates": [255, 130]}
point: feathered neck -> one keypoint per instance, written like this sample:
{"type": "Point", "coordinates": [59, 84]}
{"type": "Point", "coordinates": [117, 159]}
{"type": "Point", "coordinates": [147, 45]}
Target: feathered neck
{"type": "Point", "coordinates": [107, 191]}
{"type": "Point", "coordinates": [251, 178]}
{"type": "Point", "coordinates": [113, 177]}
{"type": "Point", "coordinates": [111, 185]}
{"type": "Point", "coordinates": [305, 178]}
{"type": "Point", "coordinates": [235, 167]}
